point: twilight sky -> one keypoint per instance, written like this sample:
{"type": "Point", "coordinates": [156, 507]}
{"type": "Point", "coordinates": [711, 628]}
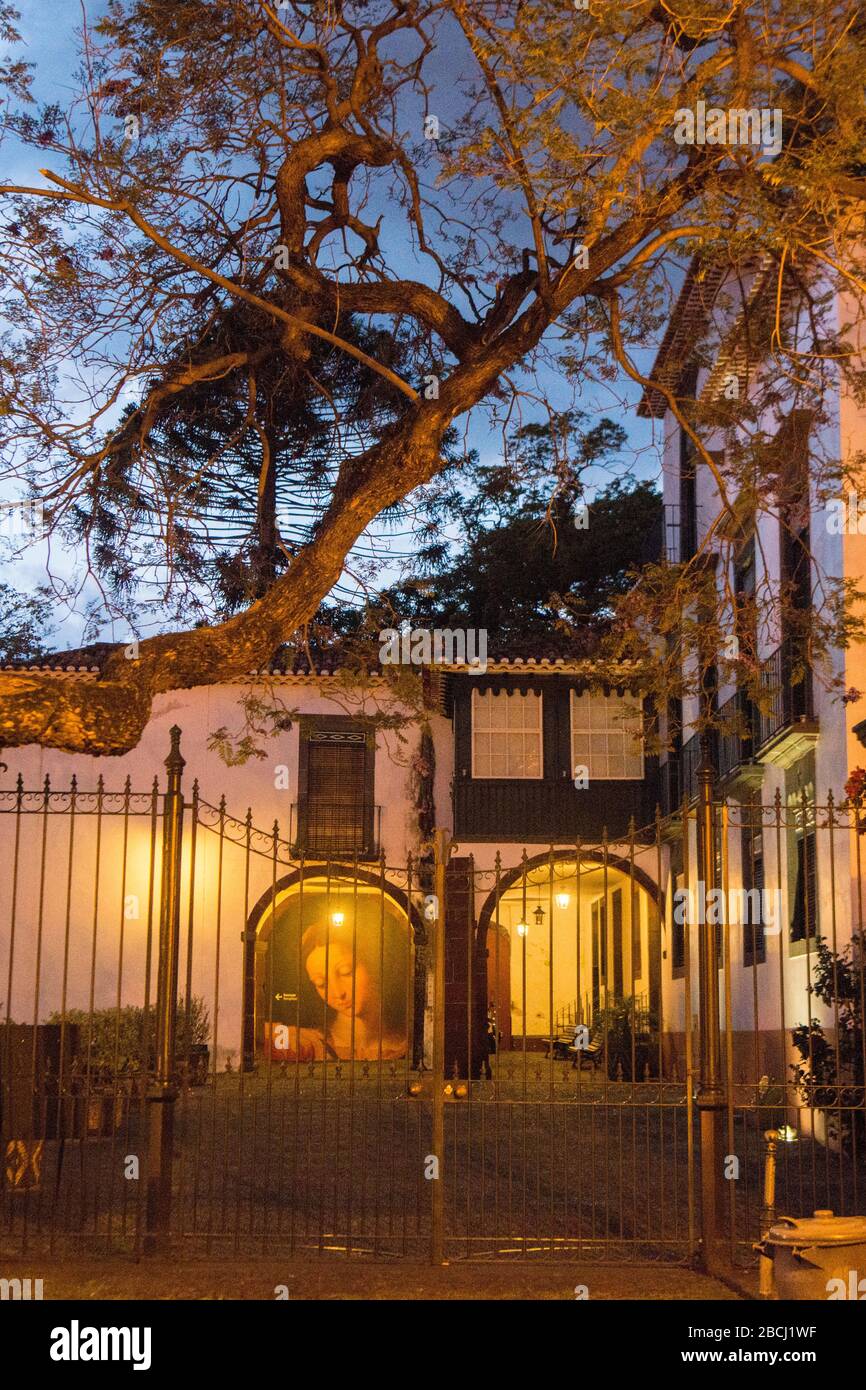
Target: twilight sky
{"type": "Point", "coordinates": [48, 28]}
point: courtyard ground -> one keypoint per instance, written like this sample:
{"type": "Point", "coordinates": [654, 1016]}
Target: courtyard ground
{"type": "Point", "coordinates": [551, 1180]}
{"type": "Point", "coordinates": [542, 1164]}
{"type": "Point", "coordinates": [360, 1279]}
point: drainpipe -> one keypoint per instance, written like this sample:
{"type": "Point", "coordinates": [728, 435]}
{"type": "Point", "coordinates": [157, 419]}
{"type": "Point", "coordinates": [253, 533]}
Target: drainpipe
{"type": "Point", "coordinates": [442, 853]}
{"type": "Point", "coordinates": [710, 1099]}
{"type": "Point", "coordinates": [163, 1090]}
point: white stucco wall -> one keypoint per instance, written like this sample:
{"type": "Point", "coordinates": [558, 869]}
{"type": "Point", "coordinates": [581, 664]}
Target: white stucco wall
{"type": "Point", "coordinates": [83, 924]}
{"type": "Point", "coordinates": [780, 998]}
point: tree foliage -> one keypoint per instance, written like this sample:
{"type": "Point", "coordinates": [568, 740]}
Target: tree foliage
{"type": "Point", "coordinates": [537, 564]}
{"type": "Point", "coordinates": [453, 198]}
{"type": "Point", "coordinates": [25, 624]}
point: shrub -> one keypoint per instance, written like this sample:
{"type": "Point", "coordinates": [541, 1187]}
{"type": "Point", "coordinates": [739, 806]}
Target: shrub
{"type": "Point", "coordinates": [114, 1040]}
{"type": "Point", "coordinates": [830, 1075]}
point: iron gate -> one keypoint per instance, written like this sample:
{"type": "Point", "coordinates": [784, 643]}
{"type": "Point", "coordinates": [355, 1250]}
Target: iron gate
{"type": "Point", "coordinates": [212, 1041]}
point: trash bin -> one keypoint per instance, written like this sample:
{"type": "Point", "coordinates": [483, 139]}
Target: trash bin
{"type": "Point", "coordinates": [810, 1251]}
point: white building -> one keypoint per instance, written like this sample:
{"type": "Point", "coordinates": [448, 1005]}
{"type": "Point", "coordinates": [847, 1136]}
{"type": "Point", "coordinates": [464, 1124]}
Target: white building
{"type": "Point", "coordinates": [782, 761]}
{"type": "Point", "coordinates": [526, 767]}
{"type": "Point", "coordinates": [566, 898]}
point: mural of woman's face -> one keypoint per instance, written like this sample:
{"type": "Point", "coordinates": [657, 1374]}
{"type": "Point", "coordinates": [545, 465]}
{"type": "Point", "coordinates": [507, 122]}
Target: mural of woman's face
{"type": "Point", "coordinates": [335, 986]}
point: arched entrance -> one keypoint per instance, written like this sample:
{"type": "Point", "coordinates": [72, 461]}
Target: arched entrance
{"type": "Point", "coordinates": [564, 939]}
{"type": "Point", "coordinates": [335, 967]}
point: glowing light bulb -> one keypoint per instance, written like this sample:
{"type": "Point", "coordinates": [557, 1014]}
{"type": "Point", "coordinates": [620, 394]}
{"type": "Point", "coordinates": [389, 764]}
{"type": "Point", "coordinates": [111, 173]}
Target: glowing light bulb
{"type": "Point", "coordinates": [522, 929]}
{"type": "Point", "coordinates": [338, 918]}
{"type": "Point", "coordinates": [562, 900]}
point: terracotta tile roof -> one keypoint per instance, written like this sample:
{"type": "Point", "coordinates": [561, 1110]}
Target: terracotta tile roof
{"type": "Point", "coordinates": [559, 655]}
{"type": "Point", "coordinates": [686, 326]}
{"type": "Point", "coordinates": [79, 660]}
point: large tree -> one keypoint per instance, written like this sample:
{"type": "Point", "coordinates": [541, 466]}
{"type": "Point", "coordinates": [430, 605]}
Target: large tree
{"type": "Point", "coordinates": [243, 462]}
{"type": "Point", "coordinates": [544, 546]}
{"type": "Point", "coordinates": [493, 183]}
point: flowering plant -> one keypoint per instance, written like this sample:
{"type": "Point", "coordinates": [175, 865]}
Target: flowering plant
{"type": "Point", "coordinates": [855, 787]}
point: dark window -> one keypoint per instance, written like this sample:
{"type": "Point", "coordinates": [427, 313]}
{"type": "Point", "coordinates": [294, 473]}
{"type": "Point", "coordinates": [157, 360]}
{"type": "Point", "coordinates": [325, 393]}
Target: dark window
{"type": "Point", "coordinates": [754, 940]}
{"type": "Point", "coordinates": [616, 922]}
{"type": "Point", "coordinates": [688, 499]}
{"type": "Point", "coordinates": [744, 570]}
{"type": "Point", "coordinates": [796, 565]}
{"type": "Point", "coordinates": [599, 951]}
{"type": "Point", "coordinates": [745, 583]}
{"type": "Point", "coordinates": [793, 447]}
{"type": "Point", "coordinates": [335, 805]}
{"type": "Point", "coordinates": [636, 942]}
{"type": "Point", "coordinates": [678, 927]}
{"type": "Point", "coordinates": [804, 915]}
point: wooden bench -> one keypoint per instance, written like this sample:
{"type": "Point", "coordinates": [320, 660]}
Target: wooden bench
{"type": "Point", "coordinates": [591, 1053]}
{"type": "Point", "coordinates": [559, 1045]}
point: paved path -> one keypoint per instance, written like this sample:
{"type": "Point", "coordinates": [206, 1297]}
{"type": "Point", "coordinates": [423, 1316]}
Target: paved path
{"type": "Point", "coordinates": [334, 1279]}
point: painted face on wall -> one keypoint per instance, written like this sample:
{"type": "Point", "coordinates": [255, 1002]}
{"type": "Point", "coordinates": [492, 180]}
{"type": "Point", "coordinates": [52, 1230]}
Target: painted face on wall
{"type": "Point", "coordinates": [335, 987]}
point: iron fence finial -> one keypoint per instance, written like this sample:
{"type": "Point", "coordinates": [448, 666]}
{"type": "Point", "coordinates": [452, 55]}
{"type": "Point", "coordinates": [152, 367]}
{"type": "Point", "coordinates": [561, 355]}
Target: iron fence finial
{"type": "Point", "coordinates": [175, 762]}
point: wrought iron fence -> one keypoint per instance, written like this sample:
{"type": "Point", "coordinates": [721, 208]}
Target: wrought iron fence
{"type": "Point", "coordinates": [211, 1043]}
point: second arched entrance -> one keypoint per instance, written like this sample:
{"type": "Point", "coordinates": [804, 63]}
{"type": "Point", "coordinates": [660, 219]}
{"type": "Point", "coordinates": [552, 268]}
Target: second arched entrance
{"type": "Point", "coordinates": [562, 940]}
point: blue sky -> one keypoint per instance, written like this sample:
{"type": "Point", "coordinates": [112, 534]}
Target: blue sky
{"type": "Point", "coordinates": [48, 28]}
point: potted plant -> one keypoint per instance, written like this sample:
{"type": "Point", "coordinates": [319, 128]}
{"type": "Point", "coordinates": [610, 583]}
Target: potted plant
{"type": "Point", "coordinates": [117, 1054]}
{"type": "Point", "coordinates": [830, 1073]}
{"type": "Point", "coordinates": [629, 1038]}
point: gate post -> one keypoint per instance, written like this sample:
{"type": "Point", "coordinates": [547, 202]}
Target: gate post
{"type": "Point", "coordinates": [441, 852]}
{"type": "Point", "coordinates": [711, 1094]}
{"type": "Point", "coordinates": [163, 1091]}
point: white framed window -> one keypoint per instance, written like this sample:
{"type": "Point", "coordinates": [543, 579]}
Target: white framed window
{"type": "Point", "coordinates": [605, 736]}
{"type": "Point", "coordinates": [506, 734]}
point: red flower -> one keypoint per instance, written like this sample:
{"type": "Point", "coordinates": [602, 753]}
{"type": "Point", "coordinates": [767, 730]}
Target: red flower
{"type": "Point", "coordinates": [855, 787]}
